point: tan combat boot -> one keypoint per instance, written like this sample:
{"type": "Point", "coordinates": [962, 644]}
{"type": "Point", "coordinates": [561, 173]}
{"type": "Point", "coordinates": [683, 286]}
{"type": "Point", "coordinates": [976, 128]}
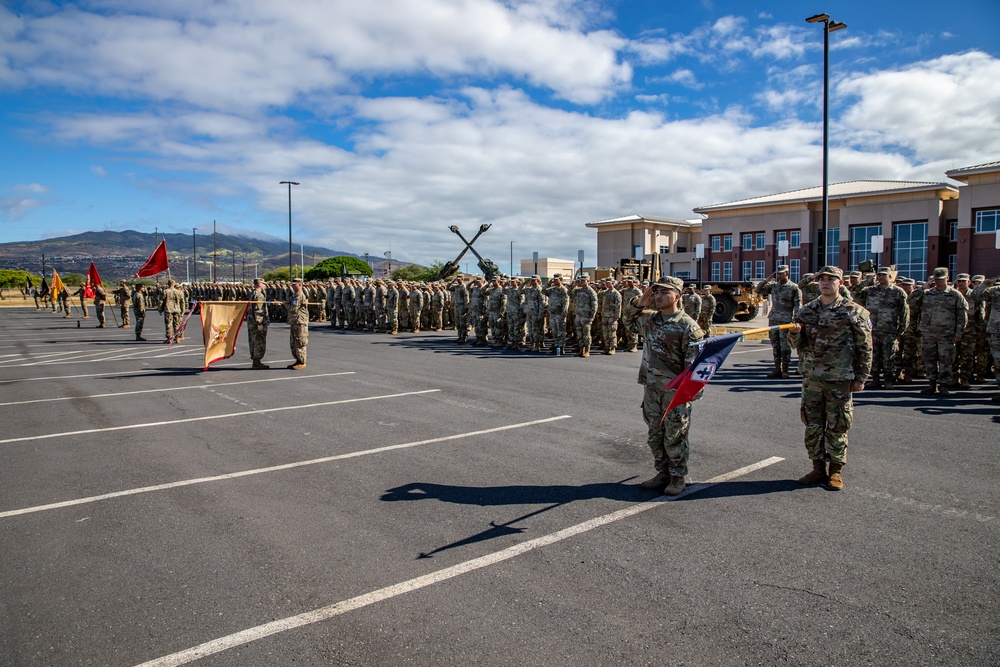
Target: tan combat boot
{"type": "Point", "coordinates": [836, 481]}
{"type": "Point", "coordinates": [586, 351]}
{"type": "Point", "coordinates": [784, 370]}
{"type": "Point", "coordinates": [776, 373]}
{"type": "Point", "coordinates": [817, 476]}
{"type": "Point", "coordinates": [676, 486]}
{"type": "Point", "coordinates": [657, 483]}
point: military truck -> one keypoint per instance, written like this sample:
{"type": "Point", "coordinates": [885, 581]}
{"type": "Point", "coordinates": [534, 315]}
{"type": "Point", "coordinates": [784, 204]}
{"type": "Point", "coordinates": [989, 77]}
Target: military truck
{"type": "Point", "coordinates": [735, 300]}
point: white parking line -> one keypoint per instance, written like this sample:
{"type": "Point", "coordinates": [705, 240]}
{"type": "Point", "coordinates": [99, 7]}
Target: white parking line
{"type": "Point", "coordinates": [146, 371]}
{"type": "Point", "coordinates": [245, 413]}
{"type": "Point", "coordinates": [168, 390]}
{"type": "Point", "coordinates": [338, 608]}
{"type": "Point", "coordinates": [261, 471]}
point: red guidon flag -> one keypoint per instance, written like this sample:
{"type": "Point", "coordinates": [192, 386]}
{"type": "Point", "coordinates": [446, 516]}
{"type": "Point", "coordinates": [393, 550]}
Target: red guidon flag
{"type": "Point", "coordinates": [220, 324]}
{"type": "Point", "coordinates": [694, 378]}
{"type": "Point", "coordinates": [156, 263]}
{"type": "Point", "coordinates": [93, 278]}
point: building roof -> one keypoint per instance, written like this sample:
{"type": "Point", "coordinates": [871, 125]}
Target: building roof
{"type": "Point", "coordinates": [963, 172]}
{"type": "Point", "coordinates": [635, 218]}
{"type": "Point", "coordinates": [836, 190]}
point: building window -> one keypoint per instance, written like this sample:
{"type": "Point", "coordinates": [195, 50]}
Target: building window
{"type": "Point", "coordinates": [952, 265]}
{"type": "Point", "coordinates": [748, 241]}
{"type": "Point", "coordinates": [909, 249]}
{"type": "Point", "coordinates": [727, 271]}
{"type": "Point", "coordinates": [682, 274]}
{"type": "Point", "coordinates": [747, 270]}
{"type": "Point", "coordinates": [716, 271]}
{"type": "Point", "coordinates": [727, 242]}
{"type": "Point", "coordinates": [779, 237]}
{"type": "Point", "coordinates": [716, 243]}
{"type": "Point", "coordinates": [664, 249]}
{"type": "Point", "coordinates": [759, 269]}
{"type": "Point", "coordinates": [952, 229]}
{"type": "Point", "coordinates": [796, 240]}
{"type": "Point", "coordinates": [795, 270]}
{"type": "Point", "coordinates": [861, 244]}
{"type": "Point", "coordinates": [986, 221]}
{"type": "Point", "coordinates": [760, 240]}
{"type": "Point", "coordinates": [832, 246]}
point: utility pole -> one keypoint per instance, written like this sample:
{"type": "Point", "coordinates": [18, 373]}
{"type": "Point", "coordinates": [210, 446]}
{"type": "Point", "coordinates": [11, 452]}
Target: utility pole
{"type": "Point", "coordinates": [215, 269]}
{"type": "Point", "coordinates": [194, 252]}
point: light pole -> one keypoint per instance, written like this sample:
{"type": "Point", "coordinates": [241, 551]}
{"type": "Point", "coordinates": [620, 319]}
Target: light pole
{"type": "Point", "coordinates": [512, 258]}
{"type": "Point", "coordinates": [289, 184]}
{"type": "Point", "coordinates": [828, 27]}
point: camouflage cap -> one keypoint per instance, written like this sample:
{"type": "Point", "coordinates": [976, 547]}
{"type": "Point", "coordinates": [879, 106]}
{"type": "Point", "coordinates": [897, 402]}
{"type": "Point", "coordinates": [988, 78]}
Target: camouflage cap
{"type": "Point", "coordinates": [884, 271]}
{"type": "Point", "coordinates": [535, 276]}
{"type": "Point", "coordinates": [670, 282]}
{"type": "Point", "coordinates": [907, 281]}
{"type": "Point", "coordinates": [297, 280]}
{"type": "Point", "coordinates": [941, 272]}
{"type": "Point", "coordinates": [784, 268]}
{"type": "Point", "coordinates": [962, 276]}
{"type": "Point", "coordinates": [556, 275]}
{"type": "Point", "coordinates": [852, 274]}
{"type": "Point", "coordinates": [978, 278]}
{"type": "Point", "coordinates": [834, 271]}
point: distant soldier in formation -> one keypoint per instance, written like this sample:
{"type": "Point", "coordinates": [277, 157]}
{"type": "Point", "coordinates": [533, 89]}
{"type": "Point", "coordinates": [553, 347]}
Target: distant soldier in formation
{"type": "Point", "coordinates": [172, 308]}
{"type": "Point", "coordinates": [496, 306]}
{"type": "Point", "coordinates": [786, 298]}
{"type": "Point", "coordinates": [629, 332]}
{"type": "Point", "coordinates": [911, 365]}
{"type": "Point", "coordinates": [297, 308]}
{"type": "Point", "coordinates": [963, 369]}
{"type": "Point", "coordinates": [983, 360]}
{"type": "Point", "coordinates": [139, 309]}
{"type": "Point", "coordinates": [437, 309]}
{"type": "Point", "coordinates": [611, 310]}
{"type": "Point", "coordinates": [558, 307]}
{"type": "Point", "coordinates": [833, 337]}
{"type": "Point", "coordinates": [585, 301]}
{"type": "Point", "coordinates": [477, 311]}
{"type": "Point", "coordinates": [416, 304]}
{"type": "Point", "coordinates": [708, 304]}
{"type": "Point", "coordinates": [890, 316]}
{"type": "Point", "coordinates": [514, 314]}
{"type": "Point", "coordinates": [82, 293]}
{"type": "Point", "coordinates": [942, 321]}
{"type": "Point", "coordinates": [691, 302]}
{"type": "Point", "coordinates": [534, 313]}
{"type": "Point", "coordinates": [257, 323]}
{"type": "Point", "coordinates": [123, 298]}
{"type": "Point", "coordinates": [991, 312]}
{"type": "Point", "coordinates": [100, 299]}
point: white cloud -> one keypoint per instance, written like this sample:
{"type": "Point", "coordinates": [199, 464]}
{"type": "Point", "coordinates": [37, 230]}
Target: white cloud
{"type": "Point", "coordinates": [99, 171]}
{"type": "Point", "coordinates": [21, 199]}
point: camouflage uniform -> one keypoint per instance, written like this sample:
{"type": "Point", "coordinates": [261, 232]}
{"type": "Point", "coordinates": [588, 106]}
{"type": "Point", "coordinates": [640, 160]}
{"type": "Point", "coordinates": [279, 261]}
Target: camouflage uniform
{"type": "Point", "coordinates": [692, 305]}
{"type": "Point", "coordinates": [437, 308]}
{"type": "Point", "coordinates": [477, 312]}
{"type": "Point", "coordinates": [257, 323]}
{"type": "Point", "coordinates": [460, 298]}
{"type": "Point", "coordinates": [983, 362]}
{"type": "Point", "coordinates": [139, 310]}
{"type": "Point", "coordinates": [515, 316]}
{"type": "Point", "coordinates": [965, 352]}
{"type": "Point", "coordinates": [629, 331]}
{"type": "Point", "coordinates": [611, 310]}
{"type": "Point", "coordinates": [786, 299]}
{"type": "Point", "coordinates": [890, 317]}
{"type": "Point", "coordinates": [297, 307]}
{"type": "Point", "coordinates": [911, 353]}
{"type": "Point", "coordinates": [496, 304]}
{"type": "Point", "coordinates": [942, 319]}
{"type": "Point", "coordinates": [666, 352]}
{"type": "Point", "coordinates": [558, 306]}
{"type": "Point", "coordinates": [123, 298]}
{"type": "Point", "coordinates": [708, 305]}
{"type": "Point", "coordinates": [533, 308]}
{"type": "Point", "coordinates": [991, 302]}
{"type": "Point", "coordinates": [585, 301]}
{"type": "Point", "coordinates": [172, 308]}
{"type": "Point", "coordinates": [415, 301]}
{"type": "Point", "coordinates": [392, 309]}
{"type": "Point", "coordinates": [100, 298]}
{"type": "Point", "coordinates": [835, 349]}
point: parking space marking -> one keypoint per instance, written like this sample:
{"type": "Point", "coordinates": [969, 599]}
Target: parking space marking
{"type": "Point", "coordinates": [325, 613]}
{"type": "Point", "coordinates": [245, 413]}
{"type": "Point", "coordinates": [145, 371]}
{"type": "Point", "coordinates": [168, 390]}
{"type": "Point", "coordinates": [261, 471]}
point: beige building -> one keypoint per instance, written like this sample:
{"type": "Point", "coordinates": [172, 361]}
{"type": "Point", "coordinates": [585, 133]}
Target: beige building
{"type": "Point", "coordinates": [548, 267]}
{"type": "Point", "coordinates": [977, 229]}
{"type": "Point", "coordinates": [669, 241]}
{"type": "Point", "coordinates": [748, 239]}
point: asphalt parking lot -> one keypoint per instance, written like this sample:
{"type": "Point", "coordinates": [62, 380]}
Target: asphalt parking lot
{"type": "Point", "coordinates": [409, 501]}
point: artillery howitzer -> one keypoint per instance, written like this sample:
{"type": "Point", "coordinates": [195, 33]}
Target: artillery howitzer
{"type": "Point", "coordinates": [489, 269]}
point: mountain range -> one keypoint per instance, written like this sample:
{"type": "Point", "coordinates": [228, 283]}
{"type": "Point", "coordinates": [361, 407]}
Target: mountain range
{"type": "Point", "coordinates": [119, 255]}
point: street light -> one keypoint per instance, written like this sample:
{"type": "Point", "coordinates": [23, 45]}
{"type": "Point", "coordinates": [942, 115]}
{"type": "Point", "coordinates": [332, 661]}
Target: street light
{"type": "Point", "coordinates": [512, 258]}
{"type": "Point", "coordinates": [289, 184]}
{"type": "Point", "coordinates": [828, 27]}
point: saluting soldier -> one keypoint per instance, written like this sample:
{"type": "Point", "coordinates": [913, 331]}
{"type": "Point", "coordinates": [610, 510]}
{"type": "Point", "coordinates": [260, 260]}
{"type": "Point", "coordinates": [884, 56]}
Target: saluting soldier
{"type": "Point", "coordinates": [257, 323]}
{"type": "Point", "coordinates": [890, 316]}
{"type": "Point", "coordinates": [297, 308]}
{"type": "Point", "coordinates": [534, 313]}
{"type": "Point", "coordinates": [558, 307]}
{"type": "Point", "coordinates": [965, 353]}
{"type": "Point", "coordinates": [585, 301]}
{"type": "Point", "coordinates": [496, 304]}
{"type": "Point", "coordinates": [991, 300]}
{"type": "Point", "coordinates": [942, 321]}
{"type": "Point", "coordinates": [611, 310]}
{"type": "Point", "coordinates": [786, 299]}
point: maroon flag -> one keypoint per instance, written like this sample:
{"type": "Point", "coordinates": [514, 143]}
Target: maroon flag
{"type": "Point", "coordinates": [93, 278]}
{"type": "Point", "coordinates": [156, 263]}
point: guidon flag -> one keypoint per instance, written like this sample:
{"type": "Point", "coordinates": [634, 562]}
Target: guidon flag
{"type": "Point", "coordinates": [704, 367]}
{"type": "Point", "coordinates": [220, 324]}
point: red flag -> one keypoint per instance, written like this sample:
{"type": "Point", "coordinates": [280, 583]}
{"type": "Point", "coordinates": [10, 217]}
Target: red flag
{"type": "Point", "coordinates": [702, 369]}
{"type": "Point", "coordinates": [93, 279]}
{"type": "Point", "coordinates": [156, 263]}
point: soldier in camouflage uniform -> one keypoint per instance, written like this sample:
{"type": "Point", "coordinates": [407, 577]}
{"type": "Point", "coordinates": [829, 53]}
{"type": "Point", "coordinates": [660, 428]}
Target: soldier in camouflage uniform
{"type": "Point", "coordinates": [942, 321]}
{"type": "Point", "coordinates": [415, 303]}
{"type": "Point", "coordinates": [437, 307]}
{"type": "Point", "coordinates": [172, 308]}
{"type": "Point", "coordinates": [667, 336]}
{"type": "Point", "coordinates": [297, 308]}
{"type": "Point", "coordinates": [786, 299]}
{"type": "Point", "coordinates": [257, 323]}
{"type": "Point", "coordinates": [833, 337]}
{"type": "Point", "coordinates": [890, 316]}
{"type": "Point", "coordinates": [100, 298]}
{"type": "Point", "coordinates": [123, 298]}
{"type": "Point", "coordinates": [611, 310]}
{"type": "Point", "coordinates": [391, 308]}
{"type": "Point", "coordinates": [965, 352]}
{"type": "Point", "coordinates": [911, 358]}
{"type": "Point", "coordinates": [558, 307]}
{"type": "Point", "coordinates": [139, 309]}
{"type": "Point", "coordinates": [691, 302]}
{"type": "Point", "coordinates": [585, 301]}
{"type": "Point", "coordinates": [514, 314]}
{"type": "Point", "coordinates": [533, 308]}
{"type": "Point", "coordinates": [708, 304]}
{"type": "Point", "coordinates": [991, 304]}
{"type": "Point", "coordinates": [983, 361]}
{"type": "Point", "coordinates": [477, 311]}
{"type": "Point", "coordinates": [496, 305]}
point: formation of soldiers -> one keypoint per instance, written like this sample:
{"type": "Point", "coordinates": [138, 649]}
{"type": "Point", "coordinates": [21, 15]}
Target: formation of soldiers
{"type": "Point", "coordinates": [946, 333]}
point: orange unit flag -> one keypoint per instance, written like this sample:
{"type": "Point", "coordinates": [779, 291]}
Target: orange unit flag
{"type": "Point", "coordinates": [57, 284]}
{"type": "Point", "coordinates": [220, 324]}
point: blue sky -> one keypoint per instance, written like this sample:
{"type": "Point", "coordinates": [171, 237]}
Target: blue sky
{"type": "Point", "coordinates": [403, 117]}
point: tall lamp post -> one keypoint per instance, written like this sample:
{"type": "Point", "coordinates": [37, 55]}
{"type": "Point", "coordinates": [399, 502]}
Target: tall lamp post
{"type": "Point", "coordinates": [289, 184]}
{"type": "Point", "coordinates": [829, 26]}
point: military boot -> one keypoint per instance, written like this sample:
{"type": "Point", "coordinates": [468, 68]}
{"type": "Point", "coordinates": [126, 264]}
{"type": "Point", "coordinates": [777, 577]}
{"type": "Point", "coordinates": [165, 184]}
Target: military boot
{"type": "Point", "coordinates": [931, 388]}
{"type": "Point", "coordinates": [818, 474]}
{"type": "Point", "coordinates": [610, 350]}
{"type": "Point", "coordinates": [657, 483]}
{"type": "Point", "coordinates": [836, 480]}
{"type": "Point", "coordinates": [676, 486]}
{"type": "Point", "coordinates": [586, 351]}
{"type": "Point", "coordinates": [942, 390]}
{"type": "Point", "coordinates": [889, 384]}
{"type": "Point", "coordinates": [258, 364]}
{"type": "Point", "coordinates": [776, 373]}
{"type": "Point", "coordinates": [784, 370]}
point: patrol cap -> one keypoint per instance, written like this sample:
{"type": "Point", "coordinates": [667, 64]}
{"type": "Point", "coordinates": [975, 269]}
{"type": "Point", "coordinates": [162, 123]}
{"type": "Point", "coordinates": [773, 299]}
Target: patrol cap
{"type": "Point", "coordinates": [941, 272]}
{"type": "Point", "coordinates": [978, 278]}
{"type": "Point", "coordinates": [297, 280]}
{"type": "Point", "coordinates": [784, 268]}
{"type": "Point", "coordinates": [962, 276]}
{"type": "Point", "coordinates": [834, 271]}
{"type": "Point", "coordinates": [670, 282]}
{"type": "Point", "coordinates": [884, 271]}
{"type": "Point", "coordinates": [535, 276]}
{"type": "Point", "coordinates": [907, 281]}
{"type": "Point", "coordinates": [852, 274]}
{"type": "Point", "coordinates": [556, 275]}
